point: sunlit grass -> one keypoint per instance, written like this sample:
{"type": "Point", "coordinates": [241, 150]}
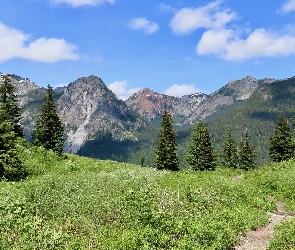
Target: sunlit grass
{"type": "Point", "coordinates": [81, 203]}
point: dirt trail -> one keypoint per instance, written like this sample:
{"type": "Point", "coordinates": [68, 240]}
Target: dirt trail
{"type": "Point", "coordinates": [260, 238]}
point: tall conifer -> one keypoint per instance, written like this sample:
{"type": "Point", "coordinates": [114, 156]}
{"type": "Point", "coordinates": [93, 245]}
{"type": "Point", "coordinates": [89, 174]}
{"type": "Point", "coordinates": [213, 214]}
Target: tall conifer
{"type": "Point", "coordinates": [200, 153]}
{"type": "Point", "coordinates": [166, 155]}
{"type": "Point", "coordinates": [281, 145]}
{"type": "Point", "coordinates": [49, 129]}
{"type": "Point", "coordinates": [247, 156]}
{"type": "Point", "coordinates": [10, 129]}
{"type": "Point", "coordinates": [230, 151]}
{"type": "Point", "coordinates": [9, 105]}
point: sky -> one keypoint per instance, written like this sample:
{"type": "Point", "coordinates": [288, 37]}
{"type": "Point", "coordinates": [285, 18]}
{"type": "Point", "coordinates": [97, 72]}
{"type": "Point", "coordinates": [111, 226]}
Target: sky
{"type": "Point", "coordinates": [172, 47]}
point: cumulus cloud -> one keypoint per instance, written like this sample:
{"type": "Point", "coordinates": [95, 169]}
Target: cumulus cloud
{"type": "Point", "coordinates": [121, 90]}
{"type": "Point", "coordinates": [143, 24]}
{"type": "Point", "coordinates": [15, 44]}
{"type": "Point", "coordinates": [288, 6]}
{"type": "Point", "coordinates": [181, 90]}
{"type": "Point", "coordinates": [210, 16]}
{"type": "Point", "coordinates": [233, 44]}
{"type": "Point", "coordinates": [79, 3]}
{"type": "Point", "coordinates": [228, 45]}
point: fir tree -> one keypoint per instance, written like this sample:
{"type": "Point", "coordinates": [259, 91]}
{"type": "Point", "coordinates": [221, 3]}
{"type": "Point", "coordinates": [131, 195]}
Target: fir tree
{"type": "Point", "coordinates": [166, 155]}
{"type": "Point", "coordinates": [281, 146]}
{"type": "Point", "coordinates": [10, 163]}
{"type": "Point", "coordinates": [230, 151]}
{"type": "Point", "coordinates": [9, 105]}
{"type": "Point", "coordinates": [200, 153]}
{"type": "Point", "coordinates": [49, 129]}
{"type": "Point", "coordinates": [247, 156]}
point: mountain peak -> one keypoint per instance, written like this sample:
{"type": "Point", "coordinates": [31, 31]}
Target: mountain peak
{"type": "Point", "coordinates": [88, 107]}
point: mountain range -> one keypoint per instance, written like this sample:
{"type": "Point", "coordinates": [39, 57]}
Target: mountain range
{"type": "Point", "coordinates": [99, 124]}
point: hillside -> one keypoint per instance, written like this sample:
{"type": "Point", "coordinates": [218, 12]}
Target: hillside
{"type": "Point", "coordinates": [150, 105]}
{"type": "Point", "coordinates": [259, 114]}
{"type": "Point", "coordinates": [81, 203]}
{"type": "Point", "coordinates": [89, 110]}
{"type": "Point", "coordinates": [100, 125]}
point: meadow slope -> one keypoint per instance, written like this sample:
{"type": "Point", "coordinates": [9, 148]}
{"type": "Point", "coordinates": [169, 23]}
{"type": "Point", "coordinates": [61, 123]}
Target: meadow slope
{"type": "Point", "coordinates": [81, 203]}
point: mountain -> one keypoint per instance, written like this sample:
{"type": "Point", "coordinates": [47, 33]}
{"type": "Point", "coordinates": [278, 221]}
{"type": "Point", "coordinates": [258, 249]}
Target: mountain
{"type": "Point", "coordinates": [233, 94]}
{"type": "Point", "coordinates": [189, 108]}
{"type": "Point", "coordinates": [98, 124]}
{"type": "Point", "coordinates": [88, 109]}
{"type": "Point", "coordinates": [259, 114]}
{"type": "Point", "coordinates": [150, 104]}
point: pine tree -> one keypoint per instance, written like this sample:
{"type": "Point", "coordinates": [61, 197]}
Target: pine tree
{"type": "Point", "coordinates": [200, 153]}
{"type": "Point", "coordinates": [10, 163]}
{"type": "Point", "coordinates": [247, 156]}
{"type": "Point", "coordinates": [281, 146]}
{"type": "Point", "coordinates": [166, 156]}
{"type": "Point", "coordinates": [49, 129]}
{"type": "Point", "coordinates": [230, 151]}
{"type": "Point", "coordinates": [9, 105]}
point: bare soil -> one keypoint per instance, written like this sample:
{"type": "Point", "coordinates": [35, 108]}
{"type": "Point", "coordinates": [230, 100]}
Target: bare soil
{"type": "Point", "coordinates": [259, 239]}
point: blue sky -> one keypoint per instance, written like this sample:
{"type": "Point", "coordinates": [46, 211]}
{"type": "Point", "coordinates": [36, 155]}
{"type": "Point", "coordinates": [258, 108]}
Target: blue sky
{"type": "Point", "coordinates": [173, 47]}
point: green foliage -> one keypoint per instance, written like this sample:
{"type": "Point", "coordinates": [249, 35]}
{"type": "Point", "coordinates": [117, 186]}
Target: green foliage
{"type": "Point", "coordinates": [230, 151]}
{"type": "Point", "coordinates": [281, 145]}
{"type": "Point", "coordinates": [200, 153]}
{"type": "Point", "coordinates": [49, 129]}
{"type": "Point", "coordinates": [247, 156]}
{"type": "Point", "coordinates": [284, 236]}
{"type": "Point", "coordinates": [11, 167]}
{"type": "Point", "coordinates": [74, 202]}
{"type": "Point", "coordinates": [166, 156]}
{"type": "Point", "coordinates": [8, 103]}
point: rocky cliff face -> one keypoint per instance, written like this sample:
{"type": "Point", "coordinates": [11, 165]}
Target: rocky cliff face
{"type": "Point", "coordinates": [150, 104]}
{"type": "Point", "coordinates": [87, 107]}
{"type": "Point", "coordinates": [23, 88]}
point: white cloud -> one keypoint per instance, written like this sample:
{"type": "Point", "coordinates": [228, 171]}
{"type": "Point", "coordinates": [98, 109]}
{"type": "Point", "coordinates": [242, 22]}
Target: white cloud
{"type": "Point", "coordinates": [181, 90]}
{"type": "Point", "coordinates": [147, 26]}
{"type": "Point", "coordinates": [79, 3]}
{"type": "Point", "coordinates": [289, 6]}
{"type": "Point", "coordinates": [229, 45]}
{"type": "Point", "coordinates": [186, 20]}
{"type": "Point", "coordinates": [60, 85]}
{"type": "Point", "coordinates": [165, 8]}
{"type": "Point", "coordinates": [15, 44]}
{"type": "Point", "coordinates": [121, 90]}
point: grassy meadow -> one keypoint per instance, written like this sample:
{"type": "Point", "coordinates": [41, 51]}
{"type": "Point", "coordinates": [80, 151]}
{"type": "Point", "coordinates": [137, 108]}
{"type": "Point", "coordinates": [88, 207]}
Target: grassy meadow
{"type": "Point", "coordinates": [74, 202]}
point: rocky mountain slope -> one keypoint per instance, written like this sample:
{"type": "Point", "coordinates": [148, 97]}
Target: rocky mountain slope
{"type": "Point", "coordinates": [87, 107]}
{"type": "Point", "coordinates": [95, 119]}
{"type": "Point", "coordinates": [190, 108]}
{"type": "Point", "coordinates": [150, 104]}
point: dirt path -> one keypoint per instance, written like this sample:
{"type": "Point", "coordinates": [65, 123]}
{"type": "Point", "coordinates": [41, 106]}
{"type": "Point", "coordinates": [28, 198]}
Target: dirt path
{"type": "Point", "coordinates": [260, 238]}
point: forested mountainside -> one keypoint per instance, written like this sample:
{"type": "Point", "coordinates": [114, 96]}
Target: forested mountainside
{"type": "Point", "coordinates": [98, 124]}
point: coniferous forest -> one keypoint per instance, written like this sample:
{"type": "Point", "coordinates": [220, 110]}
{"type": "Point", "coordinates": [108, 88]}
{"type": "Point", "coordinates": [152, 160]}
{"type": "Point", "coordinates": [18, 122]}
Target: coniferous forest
{"type": "Point", "coordinates": [204, 188]}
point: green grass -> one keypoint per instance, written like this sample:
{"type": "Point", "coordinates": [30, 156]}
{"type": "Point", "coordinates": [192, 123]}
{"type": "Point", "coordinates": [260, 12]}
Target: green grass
{"type": "Point", "coordinates": [81, 203]}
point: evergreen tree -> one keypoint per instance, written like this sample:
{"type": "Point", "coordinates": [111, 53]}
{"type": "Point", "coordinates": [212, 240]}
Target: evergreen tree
{"type": "Point", "coordinates": [9, 105]}
{"type": "Point", "coordinates": [166, 156]}
{"type": "Point", "coordinates": [281, 146]}
{"type": "Point", "coordinates": [230, 151]}
{"type": "Point", "coordinates": [49, 129]}
{"type": "Point", "coordinates": [10, 163]}
{"type": "Point", "coordinates": [247, 156]}
{"type": "Point", "coordinates": [200, 153]}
